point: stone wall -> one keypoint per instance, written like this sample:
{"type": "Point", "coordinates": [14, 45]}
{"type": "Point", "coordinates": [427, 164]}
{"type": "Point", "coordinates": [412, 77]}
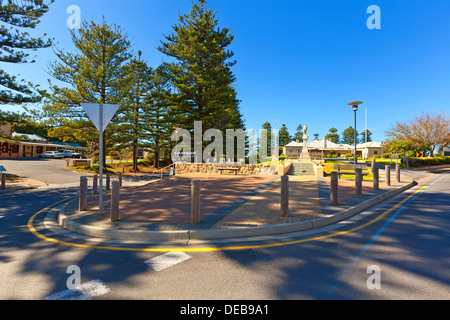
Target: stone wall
{"type": "Point", "coordinates": [210, 168]}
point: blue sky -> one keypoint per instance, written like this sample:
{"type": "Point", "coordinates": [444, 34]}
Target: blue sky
{"type": "Point", "coordinates": [299, 61]}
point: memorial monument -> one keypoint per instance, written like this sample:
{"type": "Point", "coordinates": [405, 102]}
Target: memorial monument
{"type": "Point", "coordinates": [305, 153]}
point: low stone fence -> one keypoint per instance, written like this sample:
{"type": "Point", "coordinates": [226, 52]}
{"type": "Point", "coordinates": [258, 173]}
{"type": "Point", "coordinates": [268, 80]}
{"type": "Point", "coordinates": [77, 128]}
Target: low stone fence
{"type": "Point", "coordinates": [213, 168]}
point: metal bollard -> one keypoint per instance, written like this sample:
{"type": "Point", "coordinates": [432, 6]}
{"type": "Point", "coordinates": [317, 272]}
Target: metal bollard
{"type": "Point", "coordinates": [195, 201]}
{"type": "Point", "coordinates": [376, 179]}
{"type": "Point", "coordinates": [284, 196]}
{"type": "Point", "coordinates": [115, 201]}
{"type": "Point", "coordinates": [95, 184]}
{"type": "Point", "coordinates": [388, 175]}
{"type": "Point", "coordinates": [397, 169]}
{"type": "Point", "coordinates": [334, 186]}
{"type": "Point", "coordinates": [358, 181]}
{"type": "Point", "coordinates": [3, 181]}
{"type": "Point", "coordinates": [83, 194]}
{"type": "Point", "coordinates": [108, 181]}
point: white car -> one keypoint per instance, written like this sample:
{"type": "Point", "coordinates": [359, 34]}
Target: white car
{"type": "Point", "coordinates": [51, 155]}
{"type": "Point", "coordinates": [70, 153]}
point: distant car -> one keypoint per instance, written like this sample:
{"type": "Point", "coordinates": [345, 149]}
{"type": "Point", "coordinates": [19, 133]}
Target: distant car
{"type": "Point", "coordinates": [51, 155]}
{"type": "Point", "coordinates": [70, 154]}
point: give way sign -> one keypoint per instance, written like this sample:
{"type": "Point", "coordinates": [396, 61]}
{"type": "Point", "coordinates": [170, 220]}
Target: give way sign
{"type": "Point", "coordinates": [93, 111]}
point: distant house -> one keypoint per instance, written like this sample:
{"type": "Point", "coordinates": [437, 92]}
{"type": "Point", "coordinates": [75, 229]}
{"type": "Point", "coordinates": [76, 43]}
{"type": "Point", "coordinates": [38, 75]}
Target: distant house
{"type": "Point", "coordinates": [30, 146]}
{"type": "Point", "coordinates": [294, 149]}
{"type": "Point", "coordinates": [446, 151]}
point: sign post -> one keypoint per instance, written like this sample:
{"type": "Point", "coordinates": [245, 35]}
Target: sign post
{"type": "Point", "coordinates": [101, 115]}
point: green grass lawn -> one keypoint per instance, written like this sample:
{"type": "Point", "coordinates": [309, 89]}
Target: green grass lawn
{"type": "Point", "coordinates": [328, 167]}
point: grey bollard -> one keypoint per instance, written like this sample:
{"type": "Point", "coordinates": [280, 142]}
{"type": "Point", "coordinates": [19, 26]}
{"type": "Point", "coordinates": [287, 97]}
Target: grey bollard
{"type": "Point", "coordinates": [388, 175]}
{"type": "Point", "coordinates": [376, 178]}
{"type": "Point", "coordinates": [397, 169]}
{"type": "Point", "coordinates": [373, 164]}
{"type": "Point", "coordinates": [95, 184]}
{"type": "Point", "coordinates": [334, 186]}
{"type": "Point", "coordinates": [358, 181]}
{"type": "Point", "coordinates": [83, 194]}
{"type": "Point", "coordinates": [284, 196]}
{"type": "Point", "coordinates": [195, 201]}
{"type": "Point", "coordinates": [3, 181]}
{"type": "Point", "coordinates": [121, 179]}
{"type": "Point", "coordinates": [115, 201]}
{"type": "Point", "coordinates": [108, 181]}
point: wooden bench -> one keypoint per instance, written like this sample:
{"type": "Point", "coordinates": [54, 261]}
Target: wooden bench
{"type": "Point", "coordinates": [340, 167]}
{"type": "Point", "coordinates": [234, 168]}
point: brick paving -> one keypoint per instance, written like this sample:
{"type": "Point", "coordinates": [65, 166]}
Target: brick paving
{"type": "Point", "coordinates": [165, 205]}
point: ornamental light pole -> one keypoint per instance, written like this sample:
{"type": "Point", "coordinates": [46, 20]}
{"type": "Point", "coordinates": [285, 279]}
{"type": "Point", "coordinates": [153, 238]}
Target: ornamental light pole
{"type": "Point", "coordinates": [355, 108]}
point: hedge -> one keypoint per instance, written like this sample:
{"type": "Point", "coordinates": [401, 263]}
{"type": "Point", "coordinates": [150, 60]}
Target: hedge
{"type": "Point", "coordinates": [425, 162]}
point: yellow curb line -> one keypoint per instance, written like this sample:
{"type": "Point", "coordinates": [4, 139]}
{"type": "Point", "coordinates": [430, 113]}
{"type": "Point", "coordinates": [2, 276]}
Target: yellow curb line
{"type": "Point", "coordinates": [36, 233]}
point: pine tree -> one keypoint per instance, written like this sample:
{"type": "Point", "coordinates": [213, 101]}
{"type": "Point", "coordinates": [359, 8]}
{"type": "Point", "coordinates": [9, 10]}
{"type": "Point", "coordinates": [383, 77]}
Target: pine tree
{"type": "Point", "coordinates": [348, 136]}
{"type": "Point", "coordinates": [95, 73]}
{"type": "Point", "coordinates": [363, 136]}
{"type": "Point", "coordinates": [202, 74]}
{"type": "Point", "coordinates": [15, 42]}
{"type": "Point", "coordinates": [333, 136]}
{"type": "Point", "coordinates": [130, 115]}
{"type": "Point", "coordinates": [265, 141]}
{"type": "Point", "coordinates": [285, 137]}
{"type": "Point", "coordinates": [158, 114]}
{"type": "Point", "coordinates": [299, 133]}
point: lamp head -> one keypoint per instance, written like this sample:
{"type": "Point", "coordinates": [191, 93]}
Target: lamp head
{"type": "Point", "coordinates": [355, 105]}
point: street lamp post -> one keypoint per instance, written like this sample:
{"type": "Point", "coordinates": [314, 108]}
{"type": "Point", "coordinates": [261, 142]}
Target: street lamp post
{"type": "Point", "coordinates": [355, 109]}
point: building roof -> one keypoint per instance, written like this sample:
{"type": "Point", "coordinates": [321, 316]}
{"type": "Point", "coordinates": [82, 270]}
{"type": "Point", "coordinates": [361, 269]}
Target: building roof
{"type": "Point", "coordinates": [320, 145]}
{"type": "Point", "coordinates": [372, 144]}
{"type": "Point", "coordinates": [294, 144]}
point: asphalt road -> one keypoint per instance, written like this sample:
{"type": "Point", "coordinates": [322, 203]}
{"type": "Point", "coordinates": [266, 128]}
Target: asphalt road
{"type": "Point", "coordinates": [50, 171]}
{"type": "Point", "coordinates": [409, 246]}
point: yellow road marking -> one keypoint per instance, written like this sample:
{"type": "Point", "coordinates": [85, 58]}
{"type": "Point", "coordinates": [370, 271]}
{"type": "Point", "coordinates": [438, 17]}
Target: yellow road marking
{"type": "Point", "coordinates": [271, 245]}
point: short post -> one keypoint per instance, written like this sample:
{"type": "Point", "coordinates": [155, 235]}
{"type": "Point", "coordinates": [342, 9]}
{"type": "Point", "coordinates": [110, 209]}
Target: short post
{"type": "Point", "coordinates": [373, 164]}
{"type": "Point", "coordinates": [95, 184]}
{"type": "Point", "coordinates": [83, 194]}
{"type": "Point", "coordinates": [108, 181]}
{"type": "Point", "coordinates": [115, 201]}
{"type": "Point", "coordinates": [407, 163]}
{"type": "Point", "coordinates": [3, 180]}
{"type": "Point", "coordinates": [121, 178]}
{"type": "Point", "coordinates": [376, 178]}
{"type": "Point", "coordinates": [358, 181]}
{"type": "Point", "coordinates": [195, 201]}
{"type": "Point", "coordinates": [397, 168]}
{"type": "Point", "coordinates": [334, 186]}
{"type": "Point", "coordinates": [284, 196]}
{"type": "Point", "coordinates": [388, 175]}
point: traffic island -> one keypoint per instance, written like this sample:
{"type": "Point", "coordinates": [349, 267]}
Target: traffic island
{"type": "Point", "coordinates": [227, 220]}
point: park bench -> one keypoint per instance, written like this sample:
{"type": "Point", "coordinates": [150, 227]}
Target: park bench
{"type": "Point", "coordinates": [229, 167]}
{"type": "Point", "coordinates": [351, 167]}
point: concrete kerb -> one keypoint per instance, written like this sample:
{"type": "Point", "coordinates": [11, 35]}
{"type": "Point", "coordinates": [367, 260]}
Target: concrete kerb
{"type": "Point", "coordinates": [339, 214]}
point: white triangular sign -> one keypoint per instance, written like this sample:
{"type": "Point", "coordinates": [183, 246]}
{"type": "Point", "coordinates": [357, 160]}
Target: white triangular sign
{"type": "Point", "coordinates": [93, 110]}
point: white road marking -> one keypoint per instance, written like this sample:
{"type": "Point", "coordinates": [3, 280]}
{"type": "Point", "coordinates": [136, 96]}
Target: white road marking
{"type": "Point", "coordinates": [167, 260]}
{"type": "Point", "coordinates": [85, 291]}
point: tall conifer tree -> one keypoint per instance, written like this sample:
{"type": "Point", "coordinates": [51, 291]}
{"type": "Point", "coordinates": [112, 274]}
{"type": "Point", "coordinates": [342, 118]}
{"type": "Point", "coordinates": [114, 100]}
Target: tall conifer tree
{"type": "Point", "coordinates": [15, 42]}
{"type": "Point", "coordinates": [202, 74]}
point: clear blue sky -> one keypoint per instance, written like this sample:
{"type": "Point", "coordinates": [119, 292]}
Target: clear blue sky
{"type": "Point", "coordinates": [300, 61]}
